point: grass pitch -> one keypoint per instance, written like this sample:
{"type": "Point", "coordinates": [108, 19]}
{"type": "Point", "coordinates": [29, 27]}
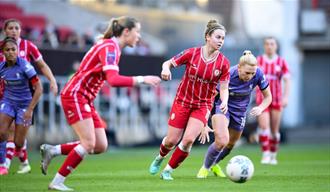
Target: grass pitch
{"type": "Point", "coordinates": [301, 168]}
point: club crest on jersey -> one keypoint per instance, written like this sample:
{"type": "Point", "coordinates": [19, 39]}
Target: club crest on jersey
{"type": "Point", "coordinates": [22, 53]}
{"type": "Point", "coordinates": [111, 58]}
{"type": "Point", "coordinates": [216, 72]}
{"type": "Point", "coordinates": [87, 108]}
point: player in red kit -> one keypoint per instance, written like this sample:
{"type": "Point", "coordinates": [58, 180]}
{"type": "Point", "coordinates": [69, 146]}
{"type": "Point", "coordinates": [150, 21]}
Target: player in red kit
{"type": "Point", "coordinates": [28, 51]}
{"type": "Point", "coordinates": [99, 64]}
{"type": "Point", "coordinates": [205, 67]}
{"type": "Point", "coordinates": [275, 69]}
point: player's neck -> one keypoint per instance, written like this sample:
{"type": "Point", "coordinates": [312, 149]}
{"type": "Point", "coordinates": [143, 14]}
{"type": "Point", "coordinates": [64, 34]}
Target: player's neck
{"type": "Point", "coordinates": [208, 52]}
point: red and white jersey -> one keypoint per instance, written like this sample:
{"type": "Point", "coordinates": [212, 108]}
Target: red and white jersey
{"type": "Point", "coordinates": [26, 50]}
{"type": "Point", "coordinates": [198, 85]}
{"type": "Point", "coordinates": [90, 77]}
{"type": "Point", "coordinates": [274, 69]}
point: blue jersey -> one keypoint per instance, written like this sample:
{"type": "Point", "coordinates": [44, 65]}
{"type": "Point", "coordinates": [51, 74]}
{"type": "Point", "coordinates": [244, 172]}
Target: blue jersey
{"type": "Point", "coordinates": [17, 84]}
{"type": "Point", "coordinates": [240, 91]}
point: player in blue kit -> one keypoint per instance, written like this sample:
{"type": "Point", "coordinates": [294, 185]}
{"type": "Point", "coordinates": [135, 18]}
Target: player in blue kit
{"type": "Point", "coordinates": [228, 127]}
{"type": "Point", "coordinates": [17, 102]}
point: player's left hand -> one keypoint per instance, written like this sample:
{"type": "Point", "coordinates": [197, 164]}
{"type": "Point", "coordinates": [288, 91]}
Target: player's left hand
{"type": "Point", "coordinates": [224, 107]}
{"type": "Point", "coordinates": [204, 136]}
{"type": "Point", "coordinates": [53, 87]}
{"type": "Point", "coordinates": [285, 101]}
{"type": "Point", "coordinates": [27, 118]}
{"type": "Point", "coordinates": [255, 111]}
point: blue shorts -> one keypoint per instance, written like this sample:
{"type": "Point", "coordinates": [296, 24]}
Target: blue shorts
{"type": "Point", "coordinates": [14, 111]}
{"type": "Point", "coordinates": [236, 118]}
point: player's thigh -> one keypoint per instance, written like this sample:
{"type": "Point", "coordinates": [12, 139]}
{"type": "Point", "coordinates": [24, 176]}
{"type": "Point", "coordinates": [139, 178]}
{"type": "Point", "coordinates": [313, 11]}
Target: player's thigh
{"type": "Point", "coordinates": [234, 136]}
{"type": "Point", "coordinates": [20, 134]}
{"type": "Point", "coordinates": [85, 131]}
{"type": "Point", "coordinates": [11, 131]}
{"type": "Point", "coordinates": [275, 120]}
{"type": "Point", "coordinates": [101, 141]}
{"type": "Point", "coordinates": [194, 128]}
{"type": "Point", "coordinates": [220, 126]}
{"type": "Point", "coordinates": [264, 120]}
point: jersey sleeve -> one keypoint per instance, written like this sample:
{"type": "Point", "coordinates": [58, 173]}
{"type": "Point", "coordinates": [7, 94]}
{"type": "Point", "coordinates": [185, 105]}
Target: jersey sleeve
{"type": "Point", "coordinates": [225, 74]}
{"type": "Point", "coordinates": [285, 69]}
{"type": "Point", "coordinates": [34, 52]}
{"type": "Point", "coordinates": [108, 57]}
{"type": "Point", "coordinates": [29, 70]}
{"type": "Point", "coordinates": [182, 58]}
{"type": "Point", "coordinates": [262, 80]}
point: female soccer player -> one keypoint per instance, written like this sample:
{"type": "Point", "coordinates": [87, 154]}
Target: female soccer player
{"type": "Point", "coordinates": [28, 51]}
{"type": "Point", "coordinates": [276, 70]}
{"type": "Point", "coordinates": [205, 67]}
{"type": "Point", "coordinates": [99, 64]}
{"type": "Point", "coordinates": [244, 77]}
{"type": "Point", "coordinates": [17, 102]}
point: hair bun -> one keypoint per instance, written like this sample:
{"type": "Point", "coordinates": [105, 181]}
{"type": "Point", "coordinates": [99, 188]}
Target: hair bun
{"type": "Point", "coordinates": [211, 23]}
{"type": "Point", "coordinates": [247, 52]}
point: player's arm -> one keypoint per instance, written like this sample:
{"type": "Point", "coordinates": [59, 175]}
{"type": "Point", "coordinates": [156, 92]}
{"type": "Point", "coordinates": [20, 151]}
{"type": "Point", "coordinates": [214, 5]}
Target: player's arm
{"type": "Point", "coordinates": [166, 70]}
{"type": "Point", "coordinates": [37, 87]}
{"type": "Point", "coordinates": [224, 95]}
{"type": "Point", "coordinates": [267, 99]}
{"type": "Point", "coordinates": [286, 92]}
{"type": "Point", "coordinates": [43, 67]}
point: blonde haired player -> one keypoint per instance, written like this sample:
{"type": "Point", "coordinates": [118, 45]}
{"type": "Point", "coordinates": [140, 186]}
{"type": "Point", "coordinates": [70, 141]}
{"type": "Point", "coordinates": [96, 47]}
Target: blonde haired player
{"type": "Point", "coordinates": [229, 126]}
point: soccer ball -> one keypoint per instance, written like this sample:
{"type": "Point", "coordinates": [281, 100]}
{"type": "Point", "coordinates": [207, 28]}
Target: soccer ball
{"type": "Point", "coordinates": [239, 169]}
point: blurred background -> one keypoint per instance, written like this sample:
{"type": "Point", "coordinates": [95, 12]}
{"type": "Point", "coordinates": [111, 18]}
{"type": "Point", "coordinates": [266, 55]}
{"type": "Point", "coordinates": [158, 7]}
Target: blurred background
{"type": "Point", "coordinates": [64, 30]}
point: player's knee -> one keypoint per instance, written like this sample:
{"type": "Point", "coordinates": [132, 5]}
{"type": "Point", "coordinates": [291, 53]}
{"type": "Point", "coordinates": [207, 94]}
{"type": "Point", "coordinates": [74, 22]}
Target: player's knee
{"type": "Point", "coordinates": [171, 142]}
{"type": "Point", "coordinates": [89, 146]}
{"type": "Point", "coordinates": [187, 142]}
{"type": "Point", "coordinates": [100, 148]}
{"type": "Point", "coordinates": [221, 142]}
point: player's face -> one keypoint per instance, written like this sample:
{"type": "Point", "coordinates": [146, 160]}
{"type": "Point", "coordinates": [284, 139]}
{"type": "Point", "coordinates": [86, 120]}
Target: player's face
{"type": "Point", "coordinates": [133, 36]}
{"type": "Point", "coordinates": [13, 30]}
{"type": "Point", "coordinates": [270, 46]}
{"type": "Point", "coordinates": [246, 72]}
{"type": "Point", "coordinates": [10, 51]}
{"type": "Point", "coordinates": [216, 39]}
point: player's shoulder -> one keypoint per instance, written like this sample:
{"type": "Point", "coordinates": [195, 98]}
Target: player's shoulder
{"type": "Point", "coordinates": [224, 58]}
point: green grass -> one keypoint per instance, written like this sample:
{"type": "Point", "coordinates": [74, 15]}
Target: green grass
{"type": "Point", "coordinates": [301, 168]}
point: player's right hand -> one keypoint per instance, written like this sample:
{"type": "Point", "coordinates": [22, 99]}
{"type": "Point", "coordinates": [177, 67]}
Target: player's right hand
{"type": "Point", "coordinates": [151, 80]}
{"type": "Point", "coordinates": [204, 136]}
{"type": "Point", "coordinates": [166, 74]}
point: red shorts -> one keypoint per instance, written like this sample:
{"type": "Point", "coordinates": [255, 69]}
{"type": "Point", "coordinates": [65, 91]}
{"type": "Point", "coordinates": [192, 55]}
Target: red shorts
{"type": "Point", "coordinates": [179, 115]}
{"type": "Point", "coordinates": [80, 109]}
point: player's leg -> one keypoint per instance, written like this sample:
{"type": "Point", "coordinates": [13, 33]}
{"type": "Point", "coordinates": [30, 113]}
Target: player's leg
{"type": "Point", "coordinates": [264, 134]}
{"type": "Point", "coordinates": [19, 140]}
{"type": "Point", "coordinates": [85, 131]}
{"type": "Point", "coordinates": [169, 142]}
{"type": "Point", "coordinates": [178, 119]}
{"type": "Point", "coordinates": [10, 147]}
{"type": "Point", "coordinates": [6, 118]}
{"type": "Point", "coordinates": [181, 152]}
{"type": "Point", "coordinates": [221, 136]}
{"type": "Point", "coordinates": [275, 135]}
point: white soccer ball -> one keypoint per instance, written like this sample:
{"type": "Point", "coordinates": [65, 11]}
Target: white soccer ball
{"type": "Point", "coordinates": [239, 169]}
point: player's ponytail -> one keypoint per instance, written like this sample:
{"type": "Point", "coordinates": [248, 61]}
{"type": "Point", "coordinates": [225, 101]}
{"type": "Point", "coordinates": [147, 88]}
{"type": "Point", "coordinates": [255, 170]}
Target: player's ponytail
{"type": "Point", "coordinates": [117, 25]}
{"type": "Point", "coordinates": [248, 58]}
{"type": "Point", "coordinates": [211, 26]}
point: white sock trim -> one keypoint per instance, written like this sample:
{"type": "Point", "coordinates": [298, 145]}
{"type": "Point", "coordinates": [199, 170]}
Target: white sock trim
{"type": "Point", "coordinates": [81, 151]}
{"type": "Point", "coordinates": [10, 144]}
{"type": "Point", "coordinates": [183, 148]}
